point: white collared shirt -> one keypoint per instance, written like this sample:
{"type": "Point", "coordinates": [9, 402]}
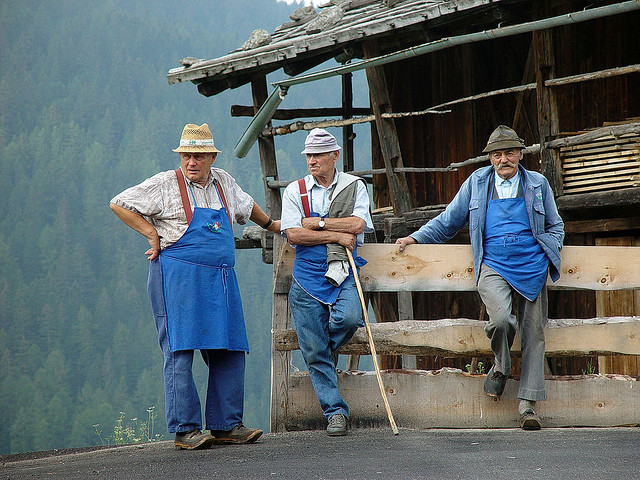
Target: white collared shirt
{"type": "Point", "coordinates": [158, 198]}
{"type": "Point", "coordinates": [292, 211]}
{"type": "Point", "coordinates": [507, 188]}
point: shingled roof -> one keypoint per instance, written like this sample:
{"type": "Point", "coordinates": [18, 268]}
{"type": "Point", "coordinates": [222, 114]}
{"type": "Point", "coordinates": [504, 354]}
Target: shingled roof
{"type": "Point", "coordinates": [313, 37]}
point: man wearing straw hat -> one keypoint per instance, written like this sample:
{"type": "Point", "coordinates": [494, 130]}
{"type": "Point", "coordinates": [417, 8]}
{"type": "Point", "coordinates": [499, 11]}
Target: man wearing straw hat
{"type": "Point", "coordinates": [186, 215]}
{"type": "Point", "coordinates": [322, 214]}
{"type": "Point", "coordinates": [516, 237]}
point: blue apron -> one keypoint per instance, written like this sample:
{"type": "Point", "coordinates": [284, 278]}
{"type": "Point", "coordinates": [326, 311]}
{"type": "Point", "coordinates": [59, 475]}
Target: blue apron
{"type": "Point", "coordinates": [511, 249]}
{"type": "Point", "coordinates": [200, 289]}
{"type": "Point", "coordinates": [310, 265]}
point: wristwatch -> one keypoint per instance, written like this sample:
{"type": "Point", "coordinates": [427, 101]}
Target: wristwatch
{"type": "Point", "coordinates": [321, 223]}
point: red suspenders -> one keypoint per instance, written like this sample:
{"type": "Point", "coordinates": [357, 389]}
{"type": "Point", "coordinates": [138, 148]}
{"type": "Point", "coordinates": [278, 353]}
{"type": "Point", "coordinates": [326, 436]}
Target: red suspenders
{"type": "Point", "coordinates": [185, 198]}
{"type": "Point", "coordinates": [304, 197]}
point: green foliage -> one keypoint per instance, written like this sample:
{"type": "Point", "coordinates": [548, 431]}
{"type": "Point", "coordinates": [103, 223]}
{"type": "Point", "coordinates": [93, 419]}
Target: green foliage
{"type": "Point", "coordinates": [131, 431]}
{"type": "Point", "coordinates": [86, 111]}
{"type": "Point", "coordinates": [479, 369]}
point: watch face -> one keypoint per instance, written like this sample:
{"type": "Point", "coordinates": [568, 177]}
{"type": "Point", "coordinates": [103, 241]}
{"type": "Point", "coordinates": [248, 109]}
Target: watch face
{"type": "Point", "coordinates": [321, 223]}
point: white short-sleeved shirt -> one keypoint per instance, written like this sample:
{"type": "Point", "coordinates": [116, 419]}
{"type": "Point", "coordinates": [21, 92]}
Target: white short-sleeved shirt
{"type": "Point", "coordinates": [293, 212]}
{"type": "Point", "coordinates": [158, 198]}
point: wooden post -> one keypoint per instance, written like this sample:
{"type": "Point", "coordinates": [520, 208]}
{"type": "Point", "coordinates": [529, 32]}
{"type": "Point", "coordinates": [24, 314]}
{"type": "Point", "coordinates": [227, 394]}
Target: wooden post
{"type": "Point", "coordinates": [267, 150]}
{"type": "Point", "coordinates": [347, 131]}
{"type": "Point", "coordinates": [405, 312]}
{"type": "Point", "coordinates": [548, 123]}
{"type": "Point", "coordinates": [389, 143]}
{"type": "Point", "coordinates": [280, 361]}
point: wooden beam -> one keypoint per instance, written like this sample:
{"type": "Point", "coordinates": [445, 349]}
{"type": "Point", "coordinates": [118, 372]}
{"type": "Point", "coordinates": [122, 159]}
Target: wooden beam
{"type": "Point", "coordinates": [602, 225]}
{"type": "Point", "coordinates": [548, 122]}
{"type": "Point", "coordinates": [416, 399]}
{"type": "Point", "coordinates": [389, 142]}
{"type": "Point", "coordinates": [347, 130]}
{"type": "Point", "coordinates": [446, 268]}
{"type": "Point", "coordinates": [268, 164]}
{"type": "Point", "coordinates": [463, 337]}
{"type": "Point", "coordinates": [294, 113]}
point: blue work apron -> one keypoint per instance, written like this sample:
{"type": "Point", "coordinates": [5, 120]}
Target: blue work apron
{"type": "Point", "coordinates": [200, 288]}
{"type": "Point", "coordinates": [310, 265]}
{"type": "Point", "coordinates": [511, 249]}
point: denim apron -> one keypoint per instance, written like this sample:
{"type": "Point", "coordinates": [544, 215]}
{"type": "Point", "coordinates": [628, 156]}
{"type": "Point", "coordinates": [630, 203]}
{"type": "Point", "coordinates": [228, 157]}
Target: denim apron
{"type": "Point", "coordinates": [309, 268]}
{"type": "Point", "coordinates": [199, 285]}
{"type": "Point", "coordinates": [510, 247]}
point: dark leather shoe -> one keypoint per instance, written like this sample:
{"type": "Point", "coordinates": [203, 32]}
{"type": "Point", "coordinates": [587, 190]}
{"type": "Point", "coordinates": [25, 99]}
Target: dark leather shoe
{"type": "Point", "coordinates": [193, 440]}
{"type": "Point", "coordinates": [529, 420]}
{"type": "Point", "coordinates": [494, 383]}
{"type": "Point", "coordinates": [238, 434]}
{"type": "Point", "coordinates": [337, 425]}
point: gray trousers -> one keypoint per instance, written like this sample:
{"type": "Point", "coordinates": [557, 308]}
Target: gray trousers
{"type": "Point", "coordinates": [530, 319]}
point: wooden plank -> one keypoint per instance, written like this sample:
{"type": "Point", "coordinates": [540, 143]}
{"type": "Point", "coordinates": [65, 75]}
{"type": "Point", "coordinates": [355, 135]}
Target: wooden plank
{"type": "Point", "coordinates": [416, 399]}
{"type": "Point", "coordinates": [463, 337]}
{"type": "Point", "coordinates": [594, 188]}
{"type": "Point", "coordinates": [621, 174]}
{"type": "Point", "coordinates": [626, 302]}
{"type": "Point", "coordinates": [609, 146]}
{"type": "Point", "coordinates": [446, 267]}
{"type": "Point", "coordinates": [586, 159]}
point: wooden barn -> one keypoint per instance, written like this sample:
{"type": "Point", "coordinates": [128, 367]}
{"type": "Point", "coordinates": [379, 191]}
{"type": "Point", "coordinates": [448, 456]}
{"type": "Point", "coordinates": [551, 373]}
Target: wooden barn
{"type": "Point", "coordinates": [565, 74]}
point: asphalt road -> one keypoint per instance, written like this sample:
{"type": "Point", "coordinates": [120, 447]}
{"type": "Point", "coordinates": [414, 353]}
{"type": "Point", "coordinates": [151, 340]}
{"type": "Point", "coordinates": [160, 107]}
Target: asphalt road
{"type": "Point", "coordinates": [568, 453]}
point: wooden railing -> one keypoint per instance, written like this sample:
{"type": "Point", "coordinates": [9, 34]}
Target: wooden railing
{"type": "Point", "coordinates": [455, 398]}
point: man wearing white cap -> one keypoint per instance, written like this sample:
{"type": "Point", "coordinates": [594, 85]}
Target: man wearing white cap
{"type": "Point", "coordinates": [322, 214]}
{"type": "Point", "coordinates": [516, 236]}
{"type": "Point", "coordinates": [187, 216]}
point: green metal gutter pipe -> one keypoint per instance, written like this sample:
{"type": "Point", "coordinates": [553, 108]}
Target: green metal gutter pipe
{"type": "Point", "coordinates": [262, 118]}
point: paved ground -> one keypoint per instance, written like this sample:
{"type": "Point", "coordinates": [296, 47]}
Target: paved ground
{"type": "Point", "coordinates": [571, 453]}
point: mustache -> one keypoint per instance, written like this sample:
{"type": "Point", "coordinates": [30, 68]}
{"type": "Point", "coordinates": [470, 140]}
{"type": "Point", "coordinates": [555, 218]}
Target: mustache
{"type": "Point", "coordinates": [506, 164]}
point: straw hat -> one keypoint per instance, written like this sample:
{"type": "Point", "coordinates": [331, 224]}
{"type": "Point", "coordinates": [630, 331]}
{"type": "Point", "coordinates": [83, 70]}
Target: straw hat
{"type": "Point", "coordinates": [196, 138]}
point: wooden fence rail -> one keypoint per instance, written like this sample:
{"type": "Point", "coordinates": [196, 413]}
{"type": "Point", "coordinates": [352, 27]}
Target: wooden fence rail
{"type": "Point", "coordinates": [451, 398]}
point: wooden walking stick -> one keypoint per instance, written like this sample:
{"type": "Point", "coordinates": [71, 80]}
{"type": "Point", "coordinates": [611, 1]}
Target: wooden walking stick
{"type": "Point", "coordinates": [374, 355]}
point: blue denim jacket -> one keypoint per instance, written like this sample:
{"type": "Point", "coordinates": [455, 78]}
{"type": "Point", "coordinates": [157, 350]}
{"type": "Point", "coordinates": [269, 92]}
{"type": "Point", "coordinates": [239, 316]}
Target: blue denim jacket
{"type": "Point", "coordinates": [469, 206]}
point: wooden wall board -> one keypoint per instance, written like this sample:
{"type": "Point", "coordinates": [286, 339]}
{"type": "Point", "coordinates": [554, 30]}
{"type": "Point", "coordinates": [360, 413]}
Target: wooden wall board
{"type": "Point", "coordinates": [449, 398]}
{"type": "Point", "coordinates": [602, 164]}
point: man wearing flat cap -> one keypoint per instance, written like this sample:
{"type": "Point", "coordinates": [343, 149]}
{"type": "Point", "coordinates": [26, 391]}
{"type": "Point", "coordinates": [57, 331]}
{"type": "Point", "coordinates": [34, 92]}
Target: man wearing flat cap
{"type": "Point", "coordinates": [187, 215]}
{"type": "Point", "coordinates": [516, 237]}
{"type": "Point", "coordinates": [324, 216]}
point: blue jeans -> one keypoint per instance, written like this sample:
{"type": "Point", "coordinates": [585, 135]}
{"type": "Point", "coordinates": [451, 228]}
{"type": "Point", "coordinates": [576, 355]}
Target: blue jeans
{"type": "Point", "coordinates": [323, 329]}
{"type": "Point", "coordinates": [225, 387]}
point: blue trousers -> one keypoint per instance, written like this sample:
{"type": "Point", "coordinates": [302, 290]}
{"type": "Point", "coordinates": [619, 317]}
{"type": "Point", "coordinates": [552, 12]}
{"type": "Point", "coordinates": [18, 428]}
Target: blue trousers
{"type": "Point", "coordinates": [323, 329]}
{"type": "Point", "coordinates": [225, 386]}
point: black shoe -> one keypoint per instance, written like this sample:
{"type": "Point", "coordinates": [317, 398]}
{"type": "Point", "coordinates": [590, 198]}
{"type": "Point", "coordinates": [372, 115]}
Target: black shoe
{"type": "Point", "coordinates": [494, 383]}
{"type": "Point", "coordinates": [529, 420]}
{"type": "Point", "coordinates": [238, 434]}
{"type": "Point", "coordinates": [193, 440]}
{"type": "Point", "coordinates": [337, 425]}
